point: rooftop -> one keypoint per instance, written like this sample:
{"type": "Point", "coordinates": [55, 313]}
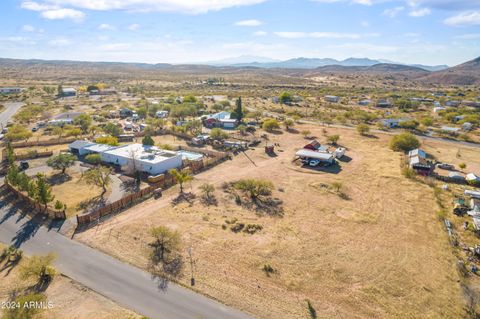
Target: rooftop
{"type": "Point", "coordinates": [144, 153]}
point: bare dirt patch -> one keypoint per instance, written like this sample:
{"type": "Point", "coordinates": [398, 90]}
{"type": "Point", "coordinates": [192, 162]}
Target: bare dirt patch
{"type": "Point", "coordinates": [379, 253]}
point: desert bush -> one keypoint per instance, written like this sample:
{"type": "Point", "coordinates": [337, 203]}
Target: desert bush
{"type": "Point", "coordinates": [404, 142]}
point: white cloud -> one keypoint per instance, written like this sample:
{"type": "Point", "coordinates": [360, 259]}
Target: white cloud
{"type": "Point", "coordinates": [454, 5]}
{"type": "Point", "coordinates": [363, 2]}
{"type": "Point", "coordinates": [470, 36]}
{"type": "Point", "coordinates": [60, 42]}
{"type": "Point", "coordinates": [35, 6]}
{"type": "Point", "coordinates": [133, 27]}
{"type": "Point", "coordinates": [185, 6]}
{"type": "Point", "coordinates": [106, 26]}
{"type": "Point", "coordinates": [52, 11]}
{"type": "Point", "coordinates": [324, 35]}
{"type": "Point", "coordinates": [464, 18]}
{"type": "Point", "coordinates": [249, 23]}
{"type": "Point", "coordinates": [260, 33]}
{"type": "Point", "coordinates": [63, 13]}
{"type": "Point", "coordinates": [28, 28]}
{"type": "Point", "coordinates": [290, 35]}
{"type": "Point", "coordinates": [365, 24]}
{"type": "Point", "coordinates": [417, 13]}
{"type": "Point", "coordinates": [393, 12]}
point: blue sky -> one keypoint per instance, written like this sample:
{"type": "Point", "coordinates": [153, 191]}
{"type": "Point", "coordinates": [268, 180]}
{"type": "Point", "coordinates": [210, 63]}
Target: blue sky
{"type": "Point", "coordinates": [181, 31]}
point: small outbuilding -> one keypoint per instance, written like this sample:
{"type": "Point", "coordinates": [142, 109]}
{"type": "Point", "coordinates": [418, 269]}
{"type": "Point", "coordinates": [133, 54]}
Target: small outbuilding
{"type": "Point", "coordinates": [323, 157]}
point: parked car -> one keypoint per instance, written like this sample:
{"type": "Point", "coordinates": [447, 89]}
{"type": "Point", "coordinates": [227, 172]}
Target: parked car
{"type": "Point", "coordinates": [34, 129]}
{"type": "Point", "coordinates": [24, 165]}
{"type": "Point", "coordinates": [314, 163]}
{"type": "Point", "coordinates": [446, 166]}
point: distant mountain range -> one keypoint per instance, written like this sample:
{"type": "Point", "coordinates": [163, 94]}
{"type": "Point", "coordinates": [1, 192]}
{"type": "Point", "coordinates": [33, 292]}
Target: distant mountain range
{"type": "Point", "coordinates": [308, 63]}
{"type": "Point", "coordinates": [467, 73]}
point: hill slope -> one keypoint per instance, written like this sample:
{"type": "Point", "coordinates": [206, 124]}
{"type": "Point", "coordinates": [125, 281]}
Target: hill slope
{"type": "Point", "coordinates": [467, 73]}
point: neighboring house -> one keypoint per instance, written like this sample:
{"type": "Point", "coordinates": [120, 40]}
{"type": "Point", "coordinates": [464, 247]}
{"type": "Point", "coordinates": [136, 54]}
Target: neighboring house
{"type": "Point", "coordinates": [475, 204]}
{"type": "Point", "coordinates": [125, 112]}
{"type": "Point", "coordinates": [452, 103]}
{"type": "Point", "coordinates": [10, 90]}
{"type": "Point", "coordinates": [417, 152]}
{"type": "Point", "coordinates": [472, 178]}
{"type": "Point", "coordinates": [458, 118]}
{"type": "Point", "coordinates": [438, 109]}
{"type": "Point", "coordinates": [332, 98]}
{"type": "Point", "coordinates": [67, 115]}
{"type": "Point", "coordinates": [306, 154]}
{"type": "Point", "coordinates": [66, 92]}
{"type": "Point", "coordinates": [450, 129]}
{"type": "Point", "coordinates": [61, 122]}
{"type": "Point", "coordinates": [471, 103]}
{"type": "Point", "coordinates": [364, 102]}
{"type": "Point", "coordinates": [393, 123]}
{"type": "Point", "coordinates": [383, 103]}
{"type": "Point", "coordinates": [161, 114]}
{"type": "Point", "coordinates": [472, 194]}
{"type": "Point", "coordinates": [467, 126]}
{"type": "Point", "coordinates": [78, 147]}
{"type": "Point", "coordinates": [228, 123]}
{"type": "Point", "coordinates": [456, 176]}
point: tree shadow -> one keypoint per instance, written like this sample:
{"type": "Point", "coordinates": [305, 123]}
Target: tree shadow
{"type": "Point", "coordinates": [130, 185]}
{"type": "Point", "coordinates": [28, 230]}
{"type": "Point", "coordinates": [345, 159]}
{"type": "Point", "coordinates": [92, 203]}
{"type": "Point", "coordinates": [58, 179]}
{"type": "Point", "coordinates": [209, 200]}
{"type": "Point", "coordinates": [184, 197]}
{"type": "Point", "coordinates": [8, 214]}
{"type": "Point", "coordinates": [164, 271]}
{"type": "Point", "coordinates": [10, 265]}
{"type": "Point", "coordinates": [41, 285]}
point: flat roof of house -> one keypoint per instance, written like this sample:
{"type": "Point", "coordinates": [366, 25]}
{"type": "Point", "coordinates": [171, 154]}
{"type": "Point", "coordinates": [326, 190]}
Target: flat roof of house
{"type": "Point", "coordinates": [69, 90]}
{"type": "Point", "coordinates": [78, 144]}
{"type": "Point", "coordinates": [99, 148]}
{"type": "Point", "coordinates": [417, 152]}
{"type": "Point", "coordinates": [316, 155]}
{"type": "Point", "coordinates": [143, 153]}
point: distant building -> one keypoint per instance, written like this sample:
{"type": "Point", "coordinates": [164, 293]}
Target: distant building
{"type": "Point", "coordinates": [10, 90]}
{"type": "Point", "coordinates": [332, 98]}
{"type": "Point", "coordinates": [467, 126]}
{"type": "Point", "coordinates": [449, 129]}
{"type": "Point", "coordinates": [438, 109]}
{"type": "Point", "coordinates": [452, 103]}
{"type": "Point", "coordinates": [68, 92]}
{"type": "Point", "coordinates": [383, 103]}
{"type": "Point", "coordinates": [125, 112]}
{"type": "Point", "coordinates": [365, 102]}
{"type": "Point", "coordinates": [393, 123]}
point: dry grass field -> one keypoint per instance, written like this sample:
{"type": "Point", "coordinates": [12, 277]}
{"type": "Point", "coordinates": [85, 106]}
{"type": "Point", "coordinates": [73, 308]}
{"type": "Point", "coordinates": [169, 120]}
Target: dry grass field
{"type": "Point", "coordinates": [70, 299]}
{"type": "Point", "coordinates": [377, 252]}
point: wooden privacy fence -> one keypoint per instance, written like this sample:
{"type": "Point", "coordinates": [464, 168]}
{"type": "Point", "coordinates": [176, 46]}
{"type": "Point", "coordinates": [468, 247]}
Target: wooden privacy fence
{"type": "Point", "coordinates": [56, 141]}
{"type": "Point", "coordinates": [124, 202]}
{"type": "Point", "coordinates": [31, 155]}
{"type": "Point", "coordinates": [51, 213]}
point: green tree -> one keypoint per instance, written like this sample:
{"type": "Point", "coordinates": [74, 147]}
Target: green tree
{"type": "Point", "coordinates": [270, 124]}
{"type": "Point", "coordinates": [18, 133]}
{"type": "Point", "coordinates": [181, 177]}
{"type": "Point", "coordinates": [288, 123]}
{"type": "Point", "coordinates": [404, 142]}
{"type": "Point", "coordinates": [156, 123]}
{"type": "Point", "coordinates": [12, 175]}
{"type": "Point", "coordinates": [84, 121]}
{"type": "Point", "coordinates": [333, 139]}
{"type": "Point", "coordinates": [148, 140]}
{"type": "Point", "coordinates": [254, 188]}
{"type": "Point", "coordinates": [59, 205]}
{"type": "Point", "coordinates": [207, 191]}
{"type": "Point", "coordinates": [58, 131]}
{"type": "Point", "coordinates": [112, 129]}
{"type": "Point", "coordinates": [39, 268]}
{"type": "Point", "coordinates": [190, 99]}
{"type": "Point", "coordinates": [306, 133]}
{"type": "Point", "coordinates": [94, 159]}
{"type": "Point", "coordinates": [363, 129]}
{"type": "Point", "coordinates": [98, 176]}
{"type": "Point", "coordinates": [10, 154]}
{"type": "Point", "coordinates": [462, 165]}
{"type": "Point", "coordinates": [23, 181]}
{"type": "Point", "coordinates": [109, 140]}
{"type": "Point", "coordinates": [285, 98]}
{"type": "Point", "coordinates": [60, 89]}
{"type": "Point", "coordinates": [61, 161]}
{"type": "Point", "coordinates": [238, 113]}
{"type": "Point", "coordinates": [218, 134]}
{"type": "Point", "coordinates": [44, 191]}
{"type": "Point", "coordinates": [165, 243]}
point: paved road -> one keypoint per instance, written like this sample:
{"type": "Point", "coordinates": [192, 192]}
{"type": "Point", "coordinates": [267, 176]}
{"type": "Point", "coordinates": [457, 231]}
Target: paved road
{"type": "Point", "coordinates": [122, 283]}
{"type": "Point", "coordinates": [10, 109]}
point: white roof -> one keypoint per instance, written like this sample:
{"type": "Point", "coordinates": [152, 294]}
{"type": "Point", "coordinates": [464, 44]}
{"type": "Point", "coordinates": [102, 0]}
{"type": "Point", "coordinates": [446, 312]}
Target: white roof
{"type": "Point", "coordinates": [98, 148]}
{"type": "Point", "coordinates": [316, 155]}
{"type": "Point", "coordinates": [472, 177]}
{"type": "Point", "coordinates": [144, 153]}
{"type": "Point", "coordinates": [417, 152]}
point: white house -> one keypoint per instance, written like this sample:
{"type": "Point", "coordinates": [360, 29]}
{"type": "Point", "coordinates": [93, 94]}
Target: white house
{"type": "Point", "coordinates": [161, 114]}
{"type": "Point", "coordinates": [393, 123]}
{"type": "Point", "coordinates": [438, 109]}
{"type": "Point", "coordinates": [148, 159]}
{"type": "Point", "coordinates": [332, 98]}
{"type": "Point", "coordinates": [10, 90]}
{"type": "Point", "coordinates": [472, 178]}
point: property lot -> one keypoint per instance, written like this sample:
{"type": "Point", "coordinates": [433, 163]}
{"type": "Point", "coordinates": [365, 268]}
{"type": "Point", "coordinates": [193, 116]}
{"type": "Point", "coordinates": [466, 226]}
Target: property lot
{"type": "Point", "coordinates": [374, 249]}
